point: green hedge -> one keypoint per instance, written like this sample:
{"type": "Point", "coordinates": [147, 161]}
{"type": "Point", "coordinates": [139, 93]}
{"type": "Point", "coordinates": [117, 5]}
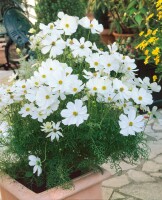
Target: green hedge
{"type": "Point", "coordinates": [47, 10]}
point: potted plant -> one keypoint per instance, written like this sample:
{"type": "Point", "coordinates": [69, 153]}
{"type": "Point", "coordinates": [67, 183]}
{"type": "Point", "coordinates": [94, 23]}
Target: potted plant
{"type": "Point", "coordinates": [78, 108]}
{"type": "Point", "coordinates": [127, 17]}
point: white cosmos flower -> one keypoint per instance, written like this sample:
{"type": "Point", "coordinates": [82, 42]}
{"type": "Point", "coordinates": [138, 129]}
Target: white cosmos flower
{"type": "Point", "coordinates": [55, 133]}
{"type": "Point", "coordinates": [81, 48]}
{"type": "Point", "coordinates": [26, 110]}
{"type": "Point", "coordinates": [95, 61]}
{"type": "Point", "coordinates": [93, 25]}
{"type": "Point", "coordinates": [45, 97]}
{"type": "Point", "coordinates": [141, 96]}
{"type": "Point", "coordinates": [73, 85]}
{"type": "Point", "coordinates": [54, 45]}
{"type": "Point", "coordinates": [75, 113]}
{"type": "Point", "coordinates": [68, 24]}
{"type": "Point", "coordinates": [36, 163]}
{"type": "Point", "coordinates": [92, 85]}
{"type": "Point", "coordinates": [155, 87]}
{"type": "Point", "coordinates": [46, 127]}
{"type": "Point", "coordinates": [4, 127]}
{"type": "Point", "coordinates": [130, 123]}
{"type": "Point", "coordinates": [110, 63]}
{"type": "Point", "coordinates": [39, 114]}
{"type": "Point", "coordinates": [121, 89]}
{"type": "Point", "coordinates": [51, 28]}
{"type": "Point", "coordinates": [89, 75]}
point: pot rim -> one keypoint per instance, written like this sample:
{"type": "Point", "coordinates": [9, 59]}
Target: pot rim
{"type": "Point", "coordinates": [80, 183]}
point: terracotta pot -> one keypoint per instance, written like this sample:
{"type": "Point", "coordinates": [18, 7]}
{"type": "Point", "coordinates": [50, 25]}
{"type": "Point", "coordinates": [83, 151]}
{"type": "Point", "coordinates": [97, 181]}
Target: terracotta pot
{"type": "Point", "coordinates": [106, 37]}
{"type": "Point", "coordinates": [86, 187]}
{"type": "Point", "coordinates": [122, 35]}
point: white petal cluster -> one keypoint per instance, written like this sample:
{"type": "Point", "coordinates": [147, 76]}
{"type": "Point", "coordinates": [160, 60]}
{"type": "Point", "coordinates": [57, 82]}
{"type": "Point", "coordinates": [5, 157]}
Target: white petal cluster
{"type": "Point", "coordinates": [53, 130]}
{"type": "Point", "coordinates": [4, 127]}
{"type": "Point", "coordinates": [71, 73]}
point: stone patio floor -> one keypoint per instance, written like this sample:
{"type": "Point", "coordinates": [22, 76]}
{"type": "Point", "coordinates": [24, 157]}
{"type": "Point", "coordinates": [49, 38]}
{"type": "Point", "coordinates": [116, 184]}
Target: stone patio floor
{"type": "Point", "coordinates": [142, 181]}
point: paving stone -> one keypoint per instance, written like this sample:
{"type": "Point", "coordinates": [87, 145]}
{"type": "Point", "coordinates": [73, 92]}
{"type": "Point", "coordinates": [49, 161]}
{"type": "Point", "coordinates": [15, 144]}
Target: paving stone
{"type": "Point", "coordinates": [144, 191]}
{"type": "Point", "coordinates": [150, 166]}
{"type": "Point", "coordinates": [157, 127]}
{"type": "Point", "coordinates": [139, 176]}
{"type": "Point", "coordinates": [158, 159]}
{"type": "Point", "coordinates": [156, 148]}
{"type": "Point", "coordinates": [106, 193]}
{"type": "Point", "coordinates": [108, 168]}
{"type": "Point", "coordinates": [126, 166]}
{"type": "Point", "coordinates": [117, 181]}
{"type": "Point", "coordinates": [116, 196]}
{"type": "Point", "coordinates": [154, 135]}
{"type": "Point", "coordinates": [158, 175]}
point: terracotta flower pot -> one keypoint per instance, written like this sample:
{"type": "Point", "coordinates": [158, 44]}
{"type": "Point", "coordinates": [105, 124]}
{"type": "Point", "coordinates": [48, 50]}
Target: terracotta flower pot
{"type": "Point", "coordinates": [122, 35]}
{"type": "Point", "coordinates": [106, 37]}
{"type": "Point", "coordinates": [86, 187]}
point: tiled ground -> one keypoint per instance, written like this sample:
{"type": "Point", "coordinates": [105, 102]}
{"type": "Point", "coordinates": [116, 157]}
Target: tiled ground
{"type": "Point", "coordinates": [137, 182]}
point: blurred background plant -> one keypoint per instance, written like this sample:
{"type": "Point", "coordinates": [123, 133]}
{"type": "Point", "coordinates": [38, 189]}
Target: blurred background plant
{"type": "Point", "coordinates": [150, 41]}
{"type": "Point", "coordinates": [127, 16]}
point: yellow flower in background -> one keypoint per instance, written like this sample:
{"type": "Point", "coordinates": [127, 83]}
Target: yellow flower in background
{"type": "Point", "coordinates": [159, 15]}
{"type": "Point", "coordinates": [157, 60]}
{"type": "Point", "coordinates": [152, 39]}
{"type": "Point", "coordinates": [146, 60]}
{"type": "Point", "coordinates": [142, 45]}
{"type": "Point", "coordinates": [158, 3]}
{"type": "Point", "coordinates": [141, 33]}
{"type": "Point", "coordinates": [146, 52]}
{"type": "Point", "coordinates": [155, 31]}
{"type": "Point", "coordinates": [156, 51]}
{"type": "Point", "coordinates": [149, 31]}
{"type": "Point", "coordinates": [154, 78]}
{"type": "Point", "coordinates": [149, 17]}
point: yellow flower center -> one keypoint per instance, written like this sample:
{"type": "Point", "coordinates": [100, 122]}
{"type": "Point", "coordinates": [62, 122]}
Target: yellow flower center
{"type": "Point", "coordinates": [47, 96]}
{"type": "Point", "coordinates": [60, 82]}
{"type": "Point", "coordinates": [75, 89]}
{"type": "Point", "coordinates": [109, 65]}
{"type": "Point", "coordinates": [96, 63]}
{"type": "Point", "coordinates": [71, 42]}
{"type": "Point", "coordinates": [36, 83]}
{"type": "Point", "coordinates": [139, 98]}
{"type": "Point", "coordinates": [23, 86]}
{"type": "Point", "coordinates": [43, 76]}
{"type": "Point", "coordinates": [129, 68]}
{"type": "Point", "coordinates": [75, 113]}
{"type": "Point", "coordinates": [67, 25]}
{"type": "Point", "coordinates": [27, 109]}
{"type": "Point", "coordinates": [130, 123]}
{"type": "Point", "coordinates": [94, 88]}
{"type": "Point", "coordinates": [103, 87]}
{"type": "Point", "coordinates": [53, 43]}
{"type": "Point", "coordinates": [121, 89]}
{"type": "Point", "coordinates": [91, 25]}
{"type": "Point", "coordinates": [51, 26]}
{"type": "Point", "coordinates": [82, 46]}
{"type": "Point", "coordinates": [109, 98]}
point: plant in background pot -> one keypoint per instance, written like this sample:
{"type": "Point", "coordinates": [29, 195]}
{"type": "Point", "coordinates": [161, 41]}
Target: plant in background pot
{"type": "Point", "coordinates": [78, 109]}
{"type": "Point", "coordinates": [127, 17]}
{"type": "Point", "coordinates": [150, 44]}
